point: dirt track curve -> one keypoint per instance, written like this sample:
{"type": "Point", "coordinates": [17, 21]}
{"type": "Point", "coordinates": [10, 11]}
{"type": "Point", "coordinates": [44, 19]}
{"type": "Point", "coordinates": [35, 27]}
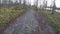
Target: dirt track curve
{"type": "Point", "coordinates": [29, 23]}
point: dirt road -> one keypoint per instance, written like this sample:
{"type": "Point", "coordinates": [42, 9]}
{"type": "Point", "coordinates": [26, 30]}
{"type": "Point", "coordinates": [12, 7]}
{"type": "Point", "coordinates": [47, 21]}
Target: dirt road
{"type": "Point", "coordinates": [28, 24]}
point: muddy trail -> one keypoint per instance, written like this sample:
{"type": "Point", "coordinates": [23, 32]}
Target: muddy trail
{"type": "Point", "coordinates": [30, 23]}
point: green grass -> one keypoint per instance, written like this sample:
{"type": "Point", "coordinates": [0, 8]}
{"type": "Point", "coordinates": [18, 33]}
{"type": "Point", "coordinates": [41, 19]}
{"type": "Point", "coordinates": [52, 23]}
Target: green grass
{"type": "Point", "coordinates": [53, 18]}
{"type": "Point", "coordinates": [7, 15]}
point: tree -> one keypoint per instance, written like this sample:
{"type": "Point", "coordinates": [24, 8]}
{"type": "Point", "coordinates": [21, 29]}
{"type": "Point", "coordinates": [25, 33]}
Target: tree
{"type": "Point", "coordinates": [46, 4]}
{"type": "Point", "coordinates": [24, 2]}
{"type": "Point", "coordinates": [37, 4]}
{"type": "Point", "coordinates": [20, 2]}
{"type": "Point", "coordinates": [4, 1]}
{"type": "Point", "coordinates": [43, 4]}
{"type": "Point", "coordinates": [16, 2]}
{"type": "Point", "coordinates": [0, 1]}
{"type": "Point", "coordinates": [10, 2]}
{"type": "Point", "coordinates": [54, 7]}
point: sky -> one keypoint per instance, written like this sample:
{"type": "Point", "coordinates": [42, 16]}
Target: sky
{"type": "Point", "coordinates": [58, 3]}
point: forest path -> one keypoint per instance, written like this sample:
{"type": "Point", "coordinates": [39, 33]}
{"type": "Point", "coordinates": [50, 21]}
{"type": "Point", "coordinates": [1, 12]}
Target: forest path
{"type": "Point", "coordinates": [28, 24]}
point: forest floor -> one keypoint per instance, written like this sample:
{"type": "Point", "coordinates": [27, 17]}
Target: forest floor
{"type": "Point", "coordinates": [31, 22]}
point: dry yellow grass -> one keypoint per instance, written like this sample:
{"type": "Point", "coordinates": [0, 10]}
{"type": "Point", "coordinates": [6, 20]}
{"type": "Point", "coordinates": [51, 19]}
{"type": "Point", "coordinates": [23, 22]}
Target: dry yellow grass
{"type": "Point", "coordinates": [7, 15]}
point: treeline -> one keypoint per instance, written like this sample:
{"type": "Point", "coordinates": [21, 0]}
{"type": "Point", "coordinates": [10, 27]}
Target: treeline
{"type": "Point", "coordinates": [45, 5]}
{"type": "Point", "coordinates": [9, 3]}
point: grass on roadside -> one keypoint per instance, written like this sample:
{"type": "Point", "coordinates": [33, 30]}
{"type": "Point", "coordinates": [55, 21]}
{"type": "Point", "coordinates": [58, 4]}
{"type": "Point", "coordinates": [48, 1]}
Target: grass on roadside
{"type": "Point", "coordinates": [53, 18]}
{"type": "Point", "coordinates": [7, 15]}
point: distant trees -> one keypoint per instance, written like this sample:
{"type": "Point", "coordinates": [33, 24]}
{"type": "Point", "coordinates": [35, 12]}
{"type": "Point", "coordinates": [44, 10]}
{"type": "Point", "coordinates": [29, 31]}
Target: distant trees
{"type": "Point", "coordinates": [24, 2]}
{"type": "Point", "coordinates": [20, 2]}
{"type": "Point", "coordinates": [16, 2]}
{"type": "Point", "coordinates": [45, 4]}
{"type": "Point", "coordinates": [7, 3]}
{"type": "Point", "coordinates": [36, 4]}
{"type": "Point", "coordinates": [0, 1]}
{"type": "Point", "coordinates": [54, 7]}
{"type": "Point", "coordinates": [10, 2]}
{"type": "Point", "coordinates": [4, 1]}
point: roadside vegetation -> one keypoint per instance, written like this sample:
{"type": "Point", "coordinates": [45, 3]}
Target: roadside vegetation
{"type": "Point", "coordinates": [54, 19]}
{"type": "Point", "coordinates": [8, 14]}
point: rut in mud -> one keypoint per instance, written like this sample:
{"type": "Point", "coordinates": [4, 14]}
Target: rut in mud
{"type": "Point", "coordinates": [29, 24]}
